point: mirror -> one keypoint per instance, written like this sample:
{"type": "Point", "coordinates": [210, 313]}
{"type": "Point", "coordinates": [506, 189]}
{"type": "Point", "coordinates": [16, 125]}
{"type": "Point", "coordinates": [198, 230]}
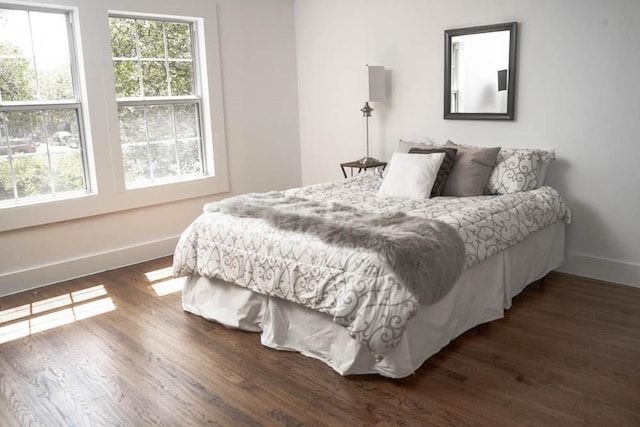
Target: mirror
{"type": "Point", "coordinates": [480, 72]}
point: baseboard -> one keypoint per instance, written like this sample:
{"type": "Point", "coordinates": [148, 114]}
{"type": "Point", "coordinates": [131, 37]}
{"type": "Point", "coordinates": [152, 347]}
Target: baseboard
{"type": "Point", "coordinates": [601, 268]}
{"type": "Point", "coordinates": [18, 281]}
{"type": "Point", "coordinates": [24, 280]}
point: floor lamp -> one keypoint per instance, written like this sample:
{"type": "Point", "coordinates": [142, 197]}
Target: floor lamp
{"type": "Point", "coordinates": [377, 93]}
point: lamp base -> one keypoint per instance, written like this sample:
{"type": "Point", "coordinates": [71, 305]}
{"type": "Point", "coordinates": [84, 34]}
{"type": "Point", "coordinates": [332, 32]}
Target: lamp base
{"type": "Point", "coordinates": [368, 161]}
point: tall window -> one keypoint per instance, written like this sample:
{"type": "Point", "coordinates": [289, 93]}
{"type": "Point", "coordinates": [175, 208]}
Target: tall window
{"type": "Point", "coordinates": [41, 138]}
{"type": "Point", "coordinates": [158, 99]}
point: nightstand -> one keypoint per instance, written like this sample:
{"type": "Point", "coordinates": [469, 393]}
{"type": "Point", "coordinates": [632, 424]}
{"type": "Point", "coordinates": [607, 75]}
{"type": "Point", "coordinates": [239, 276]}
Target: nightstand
{"type": "Point", "coordinates": [360, 166]}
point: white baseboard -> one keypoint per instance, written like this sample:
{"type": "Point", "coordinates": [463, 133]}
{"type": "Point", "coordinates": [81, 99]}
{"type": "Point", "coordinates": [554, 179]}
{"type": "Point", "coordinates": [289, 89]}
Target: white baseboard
{"type": "Point", "coordinates": [601, 268]}
{"type": "Point", "coordinates": [23, 280]}
{"type": "Point", "coordinates": [18, 281]}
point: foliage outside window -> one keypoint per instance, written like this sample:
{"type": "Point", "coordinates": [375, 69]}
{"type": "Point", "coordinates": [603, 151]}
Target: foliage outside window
{"type": "Point", "coordinates": [158, 101]}
{"type": "Point", "coordinates": [41, 141]}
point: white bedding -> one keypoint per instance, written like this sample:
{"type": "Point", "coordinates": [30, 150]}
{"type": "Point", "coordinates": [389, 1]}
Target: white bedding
{"type": "Point", "coordinates": [355, 288]}
{"type": "Point", "coordinates": [480, 295]}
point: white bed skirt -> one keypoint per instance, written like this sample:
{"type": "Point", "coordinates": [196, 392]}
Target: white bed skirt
{"type": "Point", "coordinates": [480, 295]}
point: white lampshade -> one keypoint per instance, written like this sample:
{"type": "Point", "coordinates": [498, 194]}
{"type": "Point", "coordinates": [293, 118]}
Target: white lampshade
{"type": "Point", "coordinates": [377, 86]}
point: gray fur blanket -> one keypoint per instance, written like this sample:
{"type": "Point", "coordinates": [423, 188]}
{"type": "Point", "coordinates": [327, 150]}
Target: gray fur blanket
{"type": "Point", "coordinates": [427, 256]}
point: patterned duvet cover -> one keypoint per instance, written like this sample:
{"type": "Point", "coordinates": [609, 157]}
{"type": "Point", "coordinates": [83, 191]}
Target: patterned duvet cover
{"type": "Point", "coordinates": [355, 287]}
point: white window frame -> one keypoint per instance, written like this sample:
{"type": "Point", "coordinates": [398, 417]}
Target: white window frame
{"type": "Point", "coordinates": [108, 192]}
{"type": "Point", "coordinates": [52, 105]}
{"type": "Point", "coordinates": [171, 100]}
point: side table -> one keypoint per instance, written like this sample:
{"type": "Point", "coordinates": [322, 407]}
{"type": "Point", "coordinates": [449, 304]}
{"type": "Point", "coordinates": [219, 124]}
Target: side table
{"type": "Point", "coordinates": [360, 166]}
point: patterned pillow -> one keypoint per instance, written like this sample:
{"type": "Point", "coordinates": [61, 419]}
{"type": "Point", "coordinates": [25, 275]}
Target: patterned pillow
{"type": "Point", "coordinates": [445, 167]}
{"type": "Point", "coordinates": [518, 170]}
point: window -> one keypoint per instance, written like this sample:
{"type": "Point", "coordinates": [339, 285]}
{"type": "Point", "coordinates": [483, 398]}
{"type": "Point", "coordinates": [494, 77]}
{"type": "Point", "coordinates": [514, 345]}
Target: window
{"type": "Point", "coordinates": [79, 139]}
{"type": "Point", "coordinates": [159, 105]}
{"type": "Point", "coordinates": [41, 132]}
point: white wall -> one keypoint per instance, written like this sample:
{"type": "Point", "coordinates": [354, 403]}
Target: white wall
{"type": "Point", "coordinates": [577, 92]}
{"type": "Point", "coordinates": [257, 51]}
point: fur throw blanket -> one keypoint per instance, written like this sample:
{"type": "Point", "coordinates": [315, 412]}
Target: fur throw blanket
{"type": "Point", "coordinates": [427, 256]}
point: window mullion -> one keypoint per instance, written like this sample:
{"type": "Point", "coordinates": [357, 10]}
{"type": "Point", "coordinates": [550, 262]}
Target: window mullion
{"type": "Point", "coordinates": [33, 57]}
{"type": "Point", "coordinates": [166, 58]}
{"type": "Point", "coordinates": [138, 57]}
{"type": "Point", "coordinates": [148, 140]}
{"type": "Point", "coordinates": [9, 157]}
{"type": "Point", "coordinates": [175, 139]}
{"type": "Point", "coordinates": [74, 60]}
{"type": "Point", "coordinates": [158, 101]}
{"type": "Point", "coordinates": [51, 177]}
{"type": "Point", "coordinates": [39, 106]}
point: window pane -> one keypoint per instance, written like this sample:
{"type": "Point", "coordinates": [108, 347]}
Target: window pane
{"type": "Point", "coordinates": [178, 40]}
{"type": "Point", "coordinates": [68, 172]}
{"type": "Point", "coordinates": [40, 154]}
{"type": "Point", "coordinates": [123, 38]}
{"type": "Point", "coordinates": [160, 123]}
{"type": "Point", "coordinates": [154, 78]}
{"type": "Point", "coordinates": [29, 175]}
{"type": "Point", "coordinates": [17, 73]}
{"type": "Point", "coordinates": [186, 121]}
{"type": "Point", "coordinates": [32, 41]}
{"type": "Point", "coordinates": [151, 39]}
{"type": "Point", "coordinates": [181, 78]}
{"type": "Point", "coordinates": [6, 174]}
{"type": "Point", "coordinates": [17, 76]}
{"type": "Point", "coordinates": [32, 175]}
{"type": "Point", "coordinates": [174, 147]}
{"type": "Point", "coordinates": [164, 161]}
{"type": "Point", "coordinates": [51, 53]}
{"type": "Point", "coordinates": [127, 77]}
{"type": "Point", "coordinates": [189, 155]}
{"type": "Point", "coordinates": [133, 126]}
{"type": "Point", "coordinates": [62, 127]}
{"type": "Point", "coordinates": [136, 163]}
{"type": "Point", "coordinates": [165, 63]}
{"type": "Point", "coordinates": [24, 125]}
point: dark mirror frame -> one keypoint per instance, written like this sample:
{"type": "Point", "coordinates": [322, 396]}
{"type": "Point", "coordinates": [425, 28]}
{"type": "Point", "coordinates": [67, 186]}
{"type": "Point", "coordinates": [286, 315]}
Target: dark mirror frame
{"type": "Point", "coordinates": [511, 96]}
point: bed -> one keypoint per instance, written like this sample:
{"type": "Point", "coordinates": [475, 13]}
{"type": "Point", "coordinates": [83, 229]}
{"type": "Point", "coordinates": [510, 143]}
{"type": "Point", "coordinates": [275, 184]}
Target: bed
{"type": "Point", "coordinates": [345, 303]}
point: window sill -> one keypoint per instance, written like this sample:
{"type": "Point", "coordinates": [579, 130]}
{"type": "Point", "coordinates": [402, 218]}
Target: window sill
{"type": "Point", "coordinates": [49, 212]}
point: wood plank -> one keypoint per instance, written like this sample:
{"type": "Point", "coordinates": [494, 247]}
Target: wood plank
{"type": "Point", "coordinates": [566, 353]}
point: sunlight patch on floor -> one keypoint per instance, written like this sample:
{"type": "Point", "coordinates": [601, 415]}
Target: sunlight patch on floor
{"type": "Point", "coordinates": [59, 310]}
{"type": "Point", "coordinates": [161, 274]}
{"type": "Point", "coordinates": [165, 283]}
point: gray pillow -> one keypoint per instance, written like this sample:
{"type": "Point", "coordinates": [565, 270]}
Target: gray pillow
{"type": "Point", "coordinates": [470, 171]}
{"type": "Point", "coordinates": [445, 167]}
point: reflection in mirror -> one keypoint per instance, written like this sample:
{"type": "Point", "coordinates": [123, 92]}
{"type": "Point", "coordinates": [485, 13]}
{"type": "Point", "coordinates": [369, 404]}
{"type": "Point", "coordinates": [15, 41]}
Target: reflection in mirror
{"type": "Point", "coordinates": [480, 72]}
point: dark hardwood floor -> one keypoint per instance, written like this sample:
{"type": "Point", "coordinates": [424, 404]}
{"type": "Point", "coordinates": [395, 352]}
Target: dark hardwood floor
{"type": "Point", "coordinates": [108, 350]}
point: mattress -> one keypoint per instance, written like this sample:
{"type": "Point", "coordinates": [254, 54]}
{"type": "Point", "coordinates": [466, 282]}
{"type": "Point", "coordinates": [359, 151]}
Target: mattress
{"type": "Point", "coordinates": [481, 294]}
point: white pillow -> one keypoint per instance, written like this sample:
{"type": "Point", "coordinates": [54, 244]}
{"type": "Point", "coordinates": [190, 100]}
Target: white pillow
{"type": "Point", "coordinates": [411, 176]}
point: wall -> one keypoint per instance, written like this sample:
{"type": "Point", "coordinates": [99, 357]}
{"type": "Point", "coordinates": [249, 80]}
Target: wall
{"type": "Point", "coordinates": [257, 52]}
{"type": "Point", "coordinates": [577, 92]}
